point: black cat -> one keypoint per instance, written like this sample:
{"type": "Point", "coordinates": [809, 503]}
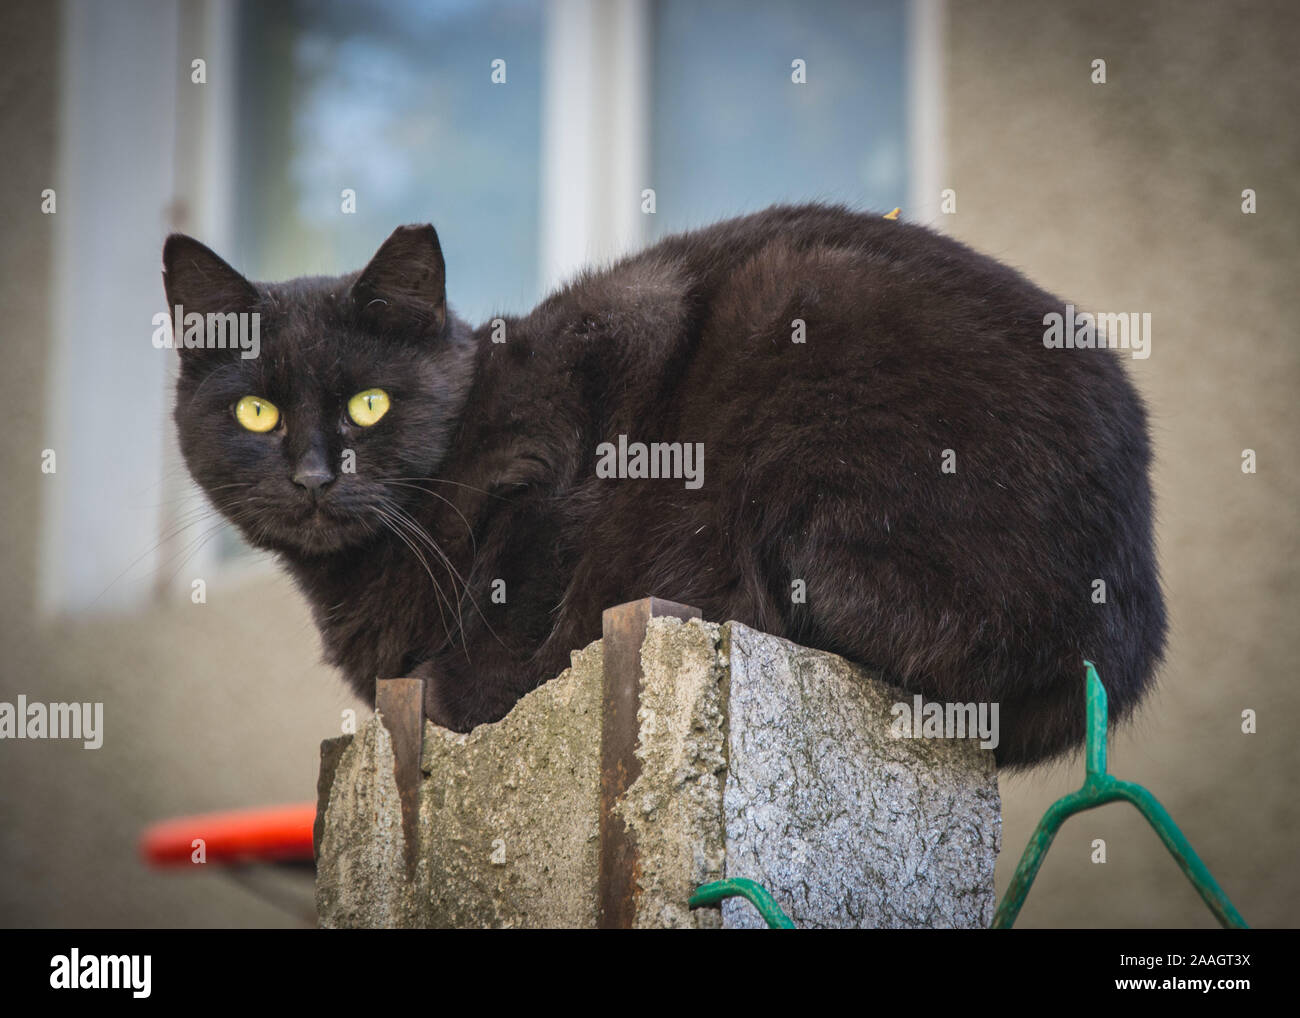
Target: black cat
{"type": "Point", "coordinates": [872, 451]}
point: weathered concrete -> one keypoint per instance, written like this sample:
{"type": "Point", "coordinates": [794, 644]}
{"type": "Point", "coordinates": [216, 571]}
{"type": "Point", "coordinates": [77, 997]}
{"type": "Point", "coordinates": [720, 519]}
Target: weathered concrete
{"type": "Point", "coordinates": [759, 759]}
{"type": "Point", "coordinates": [675, 807]}
{"type": "Point", "coordinates": [507, 819]}
{"type": "Point", "coordinates": [508, 813]}
{"type": "Point", "coordinates": [845, 824]}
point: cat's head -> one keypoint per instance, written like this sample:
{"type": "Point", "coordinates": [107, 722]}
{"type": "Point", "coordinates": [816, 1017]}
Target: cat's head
{"type": "Point", "coordinates": [306, 424]}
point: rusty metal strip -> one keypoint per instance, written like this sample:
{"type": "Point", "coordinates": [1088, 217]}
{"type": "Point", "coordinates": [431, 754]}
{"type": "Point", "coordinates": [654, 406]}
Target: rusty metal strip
{"type": "Point", "coordinates": [624, 633]}
{"type": "Point", "coordinates": [400, 703]}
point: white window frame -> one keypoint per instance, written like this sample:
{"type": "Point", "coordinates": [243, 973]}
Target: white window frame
{"type": "Point", "coordinates": [595, 133]}
{"type": "Point", "coordinates": [927, 153]}
{"type": "Point", "coordinates": [131, 128]}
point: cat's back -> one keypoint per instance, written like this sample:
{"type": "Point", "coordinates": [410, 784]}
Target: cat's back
{"type": "Point", "coordinates": [876, 425]}
{"type": "Point", "coordinates": [804, 294]}
{"type": "Point", "coordinates": [803, 313]}
{"type": "Point", "coordinates": [803, 237]}
{"type": "Point", "coordinates": [880, 418]}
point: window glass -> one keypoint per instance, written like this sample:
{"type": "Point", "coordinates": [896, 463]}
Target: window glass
{"type": "Point", "coordinates": [733, 133]}
{"type": "Point", "coordinates": [396, 102]}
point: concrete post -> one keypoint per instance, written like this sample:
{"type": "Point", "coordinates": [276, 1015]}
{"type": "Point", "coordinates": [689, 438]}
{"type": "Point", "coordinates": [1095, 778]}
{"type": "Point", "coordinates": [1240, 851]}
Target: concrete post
{"type": "Point", "coordinates": [753, 757]}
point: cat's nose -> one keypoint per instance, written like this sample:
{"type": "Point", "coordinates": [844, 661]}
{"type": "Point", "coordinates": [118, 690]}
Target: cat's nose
{"type": "Point", "coordinates": [312, 472]}
{"type": "Point", "coordinates": [312, 480]}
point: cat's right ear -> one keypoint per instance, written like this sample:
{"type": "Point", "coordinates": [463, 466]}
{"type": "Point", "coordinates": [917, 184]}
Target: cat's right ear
{"type": "Point", "coordinates": [198, 280]}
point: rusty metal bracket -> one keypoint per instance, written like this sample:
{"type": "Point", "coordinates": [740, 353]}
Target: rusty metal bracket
{"type": "Point", "coordinates": [400, 705]}
{"type": "Point", "coordinates": [624, 629]}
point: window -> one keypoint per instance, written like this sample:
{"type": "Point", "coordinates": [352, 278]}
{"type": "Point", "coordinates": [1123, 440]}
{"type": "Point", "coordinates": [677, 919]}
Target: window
{"type": "Point", "coordinates": [396, 103]}
{"type": "Point", "coordinates": [733, 133]}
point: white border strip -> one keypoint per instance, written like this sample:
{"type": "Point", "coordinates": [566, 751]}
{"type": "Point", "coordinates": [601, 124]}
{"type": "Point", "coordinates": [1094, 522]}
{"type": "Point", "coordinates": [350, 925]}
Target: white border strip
{"type": "Point", "coordinates": [595, 133]}
{"type": "Point", "coordinates": [926, 31]}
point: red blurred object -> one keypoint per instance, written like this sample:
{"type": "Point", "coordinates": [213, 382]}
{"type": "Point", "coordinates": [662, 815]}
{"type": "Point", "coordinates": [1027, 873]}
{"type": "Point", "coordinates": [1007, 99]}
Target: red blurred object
{"type": "Point", "coordinates": [266, 834]}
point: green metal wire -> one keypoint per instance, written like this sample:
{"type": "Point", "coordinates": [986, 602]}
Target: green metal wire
{"type": "Point", "coordinates": [752, 891]}
{"type": "Point", "coordinates": [1098, 789]}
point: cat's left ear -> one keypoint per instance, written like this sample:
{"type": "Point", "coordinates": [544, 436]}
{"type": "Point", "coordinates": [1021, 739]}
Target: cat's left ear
{"type": "Point", "coordinates": [403, 289]}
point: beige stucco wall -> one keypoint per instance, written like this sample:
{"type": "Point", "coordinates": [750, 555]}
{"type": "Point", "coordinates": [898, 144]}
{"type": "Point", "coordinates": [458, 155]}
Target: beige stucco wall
{"type": "Point", "coordinates": [1127, 196]}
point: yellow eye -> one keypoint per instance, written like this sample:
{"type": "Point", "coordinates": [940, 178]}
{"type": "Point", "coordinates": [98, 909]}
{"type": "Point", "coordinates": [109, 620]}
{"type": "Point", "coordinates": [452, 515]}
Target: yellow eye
{"type": "Point", "coordinates": [365, 408]}
{"type": "Point", "coordinates": [256, 414]}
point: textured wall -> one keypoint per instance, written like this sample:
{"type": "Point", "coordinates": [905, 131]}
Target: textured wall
{"type": "Point", "coordinates": [1127, 196]}
{"type": "Point", "coordinates": [846, 825]}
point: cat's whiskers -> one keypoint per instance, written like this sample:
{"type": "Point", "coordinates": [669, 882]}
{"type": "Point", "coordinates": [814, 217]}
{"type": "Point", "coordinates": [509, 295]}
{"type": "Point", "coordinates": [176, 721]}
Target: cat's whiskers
{"type": "Point", "coordinates": [425, 538]}
{"type": "Point", "coordinates": [195, 545]}
{"type": "Point", "coordinates": [444, 480]}
{"type": "Point", "coordinates": [391, 524]}
{"type": "Point", "coordinates": [468, 528]}
{"type": "Point", "coordinates": [194, 496]}
{"type": "Point", "coordinates": [415, 537]}
{"type": "Point", "coordinates": [189, 518]}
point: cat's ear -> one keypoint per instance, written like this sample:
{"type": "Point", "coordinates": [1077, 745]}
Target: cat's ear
{"type": "Point", "coordinates": [403, 289]}
{"type": "Point", "coordinates": [197, 280]}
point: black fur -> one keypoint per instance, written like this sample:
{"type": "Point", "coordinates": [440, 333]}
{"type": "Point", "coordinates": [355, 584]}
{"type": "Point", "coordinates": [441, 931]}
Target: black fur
{"type": "Point", "coordinates": [821, 463]}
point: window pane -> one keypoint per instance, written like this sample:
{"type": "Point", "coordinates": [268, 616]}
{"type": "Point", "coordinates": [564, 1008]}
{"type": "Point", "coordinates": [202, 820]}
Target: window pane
{"type": "Point", "coordinates": [395, 101]}
{"type": "Point", "coordinates": [733, 133]}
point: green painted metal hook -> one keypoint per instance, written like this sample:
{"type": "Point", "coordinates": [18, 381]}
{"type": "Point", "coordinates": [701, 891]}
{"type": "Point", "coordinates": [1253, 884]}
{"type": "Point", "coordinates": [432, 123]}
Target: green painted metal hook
{"type": "Point", "coordinates": [1098, 789]}
{"type": "Point", "coordinates": [752, 891]}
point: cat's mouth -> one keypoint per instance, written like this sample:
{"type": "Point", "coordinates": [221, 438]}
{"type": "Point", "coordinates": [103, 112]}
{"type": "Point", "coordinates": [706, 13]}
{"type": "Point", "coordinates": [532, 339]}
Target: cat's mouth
{"type": "Point", "coordinates": [315, 514]}
{"type": "Point", "coordinates": [316, 527]}
{"type": "Point", "coordinates": [323, 527]}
